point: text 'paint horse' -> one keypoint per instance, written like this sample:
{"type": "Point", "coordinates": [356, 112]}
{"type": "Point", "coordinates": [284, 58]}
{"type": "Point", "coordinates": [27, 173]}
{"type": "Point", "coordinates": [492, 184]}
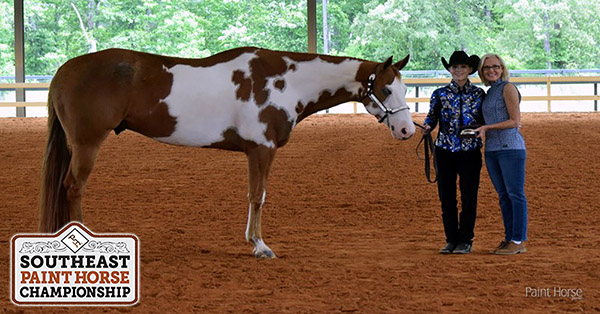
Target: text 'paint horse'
{"type": "Point", "coordinates": [246, 99]}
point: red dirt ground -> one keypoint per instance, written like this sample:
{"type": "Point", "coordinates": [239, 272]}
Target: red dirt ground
{"type": "Point", "coordinates": [349, 213]}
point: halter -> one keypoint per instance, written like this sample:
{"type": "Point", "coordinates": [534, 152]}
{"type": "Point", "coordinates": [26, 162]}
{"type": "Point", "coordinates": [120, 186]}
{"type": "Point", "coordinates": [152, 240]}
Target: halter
{"type": "Point", "coordinates": [387, 111]}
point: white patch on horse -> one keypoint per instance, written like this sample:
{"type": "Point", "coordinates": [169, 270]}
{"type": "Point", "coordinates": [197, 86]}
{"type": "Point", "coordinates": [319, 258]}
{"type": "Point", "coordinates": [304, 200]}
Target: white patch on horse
{"type": "Point", "coordinates": [306, 83]}
{"type": "Point", "coordinates": [203, 102]}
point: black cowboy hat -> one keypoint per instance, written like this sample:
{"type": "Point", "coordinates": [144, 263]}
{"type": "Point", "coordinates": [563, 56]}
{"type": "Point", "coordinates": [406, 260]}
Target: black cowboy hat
{"type": "Point", "coordinates": [460, 57]}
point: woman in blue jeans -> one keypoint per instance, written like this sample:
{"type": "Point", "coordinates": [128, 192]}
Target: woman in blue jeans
{"type": "Point", "coordinates": [505, 151]}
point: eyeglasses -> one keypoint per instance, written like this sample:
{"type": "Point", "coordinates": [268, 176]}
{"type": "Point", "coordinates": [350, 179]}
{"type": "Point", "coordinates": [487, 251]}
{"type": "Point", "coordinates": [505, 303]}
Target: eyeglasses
{"type": "Point", "coordinates": [494, 67]}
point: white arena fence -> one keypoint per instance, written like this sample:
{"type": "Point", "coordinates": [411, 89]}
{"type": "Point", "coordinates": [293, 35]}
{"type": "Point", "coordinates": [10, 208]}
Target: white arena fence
{"type": "Point", "coordinates": [555, 91]}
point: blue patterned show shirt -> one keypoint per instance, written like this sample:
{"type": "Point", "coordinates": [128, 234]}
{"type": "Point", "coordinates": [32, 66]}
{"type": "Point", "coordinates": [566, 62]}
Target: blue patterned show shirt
{"type": "Point", "coordinates": [454, 109]}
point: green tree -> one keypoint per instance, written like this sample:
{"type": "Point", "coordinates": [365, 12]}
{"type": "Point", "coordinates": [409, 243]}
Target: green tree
{"type": "Point", "coordinates": [270, 24]}
{"type": "Point", "coordinates": [529, 34]}
{"type": "Point", "coordinates": [58, 30]}
{"type": "Point", "coordinates": [7, 39]}
{"type": "Point", "coordinates": [340, 15]}
{"type": "Point", "coordinates": [549, 34]}
{"type": "Point", "coordinates": [400, 27]}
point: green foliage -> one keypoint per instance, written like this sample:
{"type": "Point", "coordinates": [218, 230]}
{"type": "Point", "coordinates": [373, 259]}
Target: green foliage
{"type": "Point", "coordinates": [529, 34]}
{"type": "Point", "coordinates": [7, 39]}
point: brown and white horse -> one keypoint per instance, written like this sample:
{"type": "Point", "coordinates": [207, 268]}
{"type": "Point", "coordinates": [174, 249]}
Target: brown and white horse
{"type": "Point", "coordinates": [245, 99]}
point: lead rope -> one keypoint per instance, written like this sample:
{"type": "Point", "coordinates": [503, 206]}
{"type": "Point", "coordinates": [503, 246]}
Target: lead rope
{"type": "Point", "coordinates": [429, 150]}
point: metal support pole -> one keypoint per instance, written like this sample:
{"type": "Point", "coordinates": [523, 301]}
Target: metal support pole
{"type": "Point", "coordinates": [19, 54]}
{"type": "Point", "coordinates": [416, 96]}
{"type": "Point", "coordinates": [595, 94]}
{"type": "Point", "coordinates": [311, 17]}
{"type": "Point", "coordinates": [325, 28]}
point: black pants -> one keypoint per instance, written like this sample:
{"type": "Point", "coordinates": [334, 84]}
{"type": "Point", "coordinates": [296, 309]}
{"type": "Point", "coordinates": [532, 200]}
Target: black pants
{"type": "Point", "coordinates": [467, 165]}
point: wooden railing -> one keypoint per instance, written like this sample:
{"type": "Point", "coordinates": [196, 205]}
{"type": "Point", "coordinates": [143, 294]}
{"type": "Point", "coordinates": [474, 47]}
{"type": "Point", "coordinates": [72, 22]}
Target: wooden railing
{"type": "Point", "coordinates": [411, 82]}
{"type": "Point", "coordinates": [547, 80]}
{"type": "Point", "coordinates": [26, 86]}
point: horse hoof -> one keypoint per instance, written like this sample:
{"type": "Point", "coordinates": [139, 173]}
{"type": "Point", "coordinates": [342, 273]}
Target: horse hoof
{"type": "Point", "coordinates": [261, 250]}
{"type": "Point", "coordinates": [264, 254]}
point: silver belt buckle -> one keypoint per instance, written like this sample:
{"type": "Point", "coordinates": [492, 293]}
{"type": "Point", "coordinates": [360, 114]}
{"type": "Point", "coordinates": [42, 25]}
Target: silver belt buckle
{"type": "Point", "coordinates": [467, 133]}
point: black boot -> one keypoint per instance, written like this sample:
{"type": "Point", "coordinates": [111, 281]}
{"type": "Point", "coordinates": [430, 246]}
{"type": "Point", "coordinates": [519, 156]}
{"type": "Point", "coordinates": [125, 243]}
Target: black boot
{"type": "Point", "coordinates": [449, 248]}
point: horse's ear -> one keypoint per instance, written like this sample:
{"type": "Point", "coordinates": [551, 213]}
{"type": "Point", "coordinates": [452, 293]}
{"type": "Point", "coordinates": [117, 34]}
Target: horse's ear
{"type": "Point", "coordinates": [402, 63]}
{"type": "Point", "coordinates": [387, 63]}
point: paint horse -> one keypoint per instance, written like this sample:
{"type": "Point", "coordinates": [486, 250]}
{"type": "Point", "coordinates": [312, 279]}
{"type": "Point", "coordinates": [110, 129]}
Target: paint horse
{"type": "Point", "coordinates": [245, 99]}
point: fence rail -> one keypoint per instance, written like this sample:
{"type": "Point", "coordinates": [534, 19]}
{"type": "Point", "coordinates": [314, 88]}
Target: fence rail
{"type": "Point", "coordinates": [411, 82]}
{"type": "Point", "coordinates": [546, 80]}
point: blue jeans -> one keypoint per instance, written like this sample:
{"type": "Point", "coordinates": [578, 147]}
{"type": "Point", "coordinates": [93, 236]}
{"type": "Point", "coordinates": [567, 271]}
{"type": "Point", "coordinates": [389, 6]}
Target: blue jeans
{"type": "Point", "coordinates": [507, 171]}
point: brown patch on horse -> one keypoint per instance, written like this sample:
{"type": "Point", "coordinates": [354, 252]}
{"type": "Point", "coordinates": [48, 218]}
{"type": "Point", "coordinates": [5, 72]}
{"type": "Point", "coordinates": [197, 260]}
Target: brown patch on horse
{"type": "Point", "coordinates": [278, 125]}
{"type": "Point", "coordinates": [150, 83]}
{"type": "Point", "coordinates": [125, 72]}
{"type": "Point", "coordinates": [114, 89]}
{"type": "Point", "coordinates": [280, 84]}
{"type": "Point", "coordinates": [265, 65]}
{"type": "Point", "coordinates": [159, 123]}
{"type": "Point", "coordinates": [278, 131]}
{"type": "Point", "coordinates": [362, 75]}
{"type": "Point", "coordinates": [383, 75]}
{"type": "Point", "coordinates": [245, 85]}
{"type": "Point", "coordinates": [326, 100]}
{"type": "Point", "coordinates": [303, 57]}
{"type": "Point", "coordinates": [299, 107]}
{"type": "Point", "coordinates": [333, 59]}
{"type": "Point", "coordinates": [221, 57]}
{"type": "Point", "coordinates": [233, 141]}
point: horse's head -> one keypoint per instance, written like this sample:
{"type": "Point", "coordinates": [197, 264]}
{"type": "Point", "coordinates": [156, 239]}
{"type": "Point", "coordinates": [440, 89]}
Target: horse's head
{"type": "Point", "coordinates": [385, 98]}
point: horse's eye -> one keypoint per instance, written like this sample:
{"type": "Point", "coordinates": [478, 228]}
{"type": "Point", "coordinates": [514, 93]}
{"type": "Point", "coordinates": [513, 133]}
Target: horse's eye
{"type": "Point", "coordinates": [386, 91]}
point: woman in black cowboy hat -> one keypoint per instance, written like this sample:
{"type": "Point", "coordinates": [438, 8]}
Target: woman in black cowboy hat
{"type": "Point", "coordinates": [456, 107]}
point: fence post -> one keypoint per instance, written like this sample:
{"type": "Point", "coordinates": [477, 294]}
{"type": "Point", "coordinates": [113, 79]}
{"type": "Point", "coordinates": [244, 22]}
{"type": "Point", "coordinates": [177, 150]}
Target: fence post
{"type": "Point", "coordinates": [549, 93]}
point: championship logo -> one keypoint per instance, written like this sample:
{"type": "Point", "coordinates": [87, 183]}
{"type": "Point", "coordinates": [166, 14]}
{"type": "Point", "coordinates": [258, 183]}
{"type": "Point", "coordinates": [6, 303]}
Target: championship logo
{"type": "Point", "coordinates": [75, 267]}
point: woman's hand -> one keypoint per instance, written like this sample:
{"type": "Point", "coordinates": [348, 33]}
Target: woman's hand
{"type": "Point", "coordinates": [481, 131]}
{"type": "Point", "coordinates": [426, 129]}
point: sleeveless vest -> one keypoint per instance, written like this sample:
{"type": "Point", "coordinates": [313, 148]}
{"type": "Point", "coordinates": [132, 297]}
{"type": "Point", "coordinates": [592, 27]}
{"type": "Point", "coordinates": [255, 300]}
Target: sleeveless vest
{"type": "Point", "coordinates": [494, 111]}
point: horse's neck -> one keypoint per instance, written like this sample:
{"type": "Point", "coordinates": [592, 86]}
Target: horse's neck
{"type": "Point", "coordinates": [331, 81]}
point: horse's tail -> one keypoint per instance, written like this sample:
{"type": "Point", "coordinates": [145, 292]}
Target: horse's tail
{"type": "Point", "coordinates": [54, 206]}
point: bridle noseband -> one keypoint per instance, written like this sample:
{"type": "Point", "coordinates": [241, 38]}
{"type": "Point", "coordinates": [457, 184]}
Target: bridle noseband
{"type": "Point", "coordinates": [386, 111]}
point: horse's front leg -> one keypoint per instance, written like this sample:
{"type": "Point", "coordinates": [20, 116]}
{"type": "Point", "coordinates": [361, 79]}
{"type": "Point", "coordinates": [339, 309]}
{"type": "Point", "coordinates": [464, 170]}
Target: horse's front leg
{"type": "Point", "coordinates": [259, 163]}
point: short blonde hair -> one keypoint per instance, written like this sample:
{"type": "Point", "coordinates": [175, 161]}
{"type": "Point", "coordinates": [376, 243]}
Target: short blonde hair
{"type": "Point", "coordinates": [505, 73]}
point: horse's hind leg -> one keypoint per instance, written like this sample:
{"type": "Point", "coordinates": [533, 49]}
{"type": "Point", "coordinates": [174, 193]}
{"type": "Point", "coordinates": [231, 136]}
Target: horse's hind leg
{"type": "Point", "coordinates": [82, 162]}
{"type": "Point", "coordinates": [259, 163]}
